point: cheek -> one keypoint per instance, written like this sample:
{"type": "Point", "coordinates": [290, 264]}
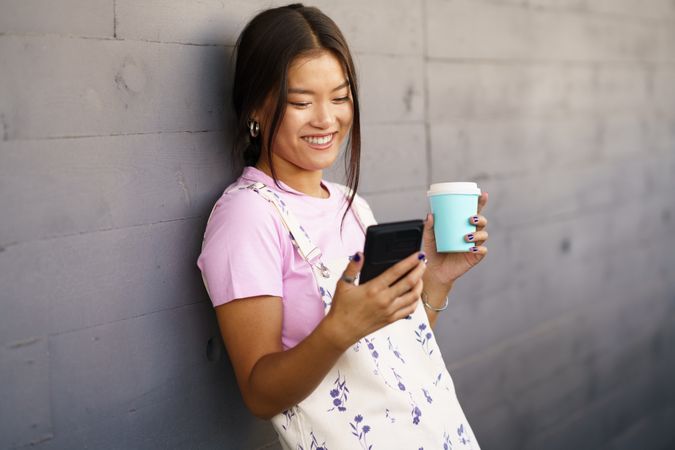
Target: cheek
{"type": "Point", "coordinates": [345, 115]}
{"type": "Point", "coordinates": [290, 127]}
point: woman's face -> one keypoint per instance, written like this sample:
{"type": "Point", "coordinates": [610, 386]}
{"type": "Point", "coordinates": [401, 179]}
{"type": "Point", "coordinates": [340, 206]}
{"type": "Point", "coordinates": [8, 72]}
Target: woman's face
{"type": "Point", "coordinates": [318, 114]}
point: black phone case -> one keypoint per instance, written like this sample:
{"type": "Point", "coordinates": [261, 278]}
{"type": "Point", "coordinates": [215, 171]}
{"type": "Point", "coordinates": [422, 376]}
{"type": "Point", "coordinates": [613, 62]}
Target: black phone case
{"type": "Point", "coordinates": [388, 243]}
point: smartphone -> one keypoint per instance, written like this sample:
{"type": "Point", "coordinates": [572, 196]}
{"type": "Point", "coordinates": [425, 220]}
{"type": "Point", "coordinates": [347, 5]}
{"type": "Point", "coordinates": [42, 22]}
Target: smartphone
{"type": "Point", "coordinates": [388, 243]}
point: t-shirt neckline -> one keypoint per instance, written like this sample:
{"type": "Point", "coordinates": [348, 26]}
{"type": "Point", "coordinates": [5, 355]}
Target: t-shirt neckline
{"type": "Point", "coordinates": [252, 173]}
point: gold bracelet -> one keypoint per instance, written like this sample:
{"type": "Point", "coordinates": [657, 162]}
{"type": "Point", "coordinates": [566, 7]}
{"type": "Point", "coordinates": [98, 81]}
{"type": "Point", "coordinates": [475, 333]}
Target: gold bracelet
{"type": "Point", "coordinates": [431, 308]}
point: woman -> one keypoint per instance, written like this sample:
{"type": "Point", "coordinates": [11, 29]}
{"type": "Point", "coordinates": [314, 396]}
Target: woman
{"type": "Point", "coordinates": [333, 364]}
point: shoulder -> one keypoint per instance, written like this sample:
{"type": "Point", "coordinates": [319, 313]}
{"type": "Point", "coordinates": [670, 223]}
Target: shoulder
{"type": "Point", "coordinates": [243, 212]}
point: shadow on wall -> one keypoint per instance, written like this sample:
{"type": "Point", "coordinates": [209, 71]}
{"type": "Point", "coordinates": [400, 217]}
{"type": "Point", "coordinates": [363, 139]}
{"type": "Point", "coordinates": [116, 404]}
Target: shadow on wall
{"type": "Point", "coordinates": [231, 424]}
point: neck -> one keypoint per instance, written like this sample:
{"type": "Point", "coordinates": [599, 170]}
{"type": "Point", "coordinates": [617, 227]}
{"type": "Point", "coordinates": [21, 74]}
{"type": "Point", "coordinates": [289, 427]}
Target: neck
{"type": "Point", "coordinates": [305, 181]}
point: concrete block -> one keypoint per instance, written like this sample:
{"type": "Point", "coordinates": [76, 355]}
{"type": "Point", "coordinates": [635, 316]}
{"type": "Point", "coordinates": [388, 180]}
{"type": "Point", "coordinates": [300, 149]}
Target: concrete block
{"type": "Point", "coordinates": [515, 33]}
{"type": "Point", "coordinates": [589, 427]}
{"type": "Point", "coordinates": [552, 270]}
{"type": "Point", "coordinates": [150, 377]}
{"type": "Point", "coordinates": [543, 91]}
{"type": "Point", "coordinates": [653, 431]}
{"type": "Point", "coordinates": [662, 10]}
{"type": "Point", "coordinates": [65, 87]}
{"type": "Point", "coordinates": [662, 90]}
{"type": "Point", "coordinates": [208, 22]}
{"type": "Point", "coordinates": [562, 361]}
{"type": "Point", "coordinates": [90, 18]}
{"type": "Point", "coordinates": [25, 405]}
{"type": "Point", "coordinates": [398, 205]}
{"type": "Point", "coordinates": [103, 183]}
{"type": "Point", "coordinates": [533, 197]}
{"type": "Point", "coordinates": [393, 157]}
{"type": "Point", "coordinates": [477, 148]}
{"type": "Point", "coordinates": [82, 280]}
{"type": "Point", "coordinates": [366, 25]}
{"type": "Point", "coordinates": [391, 88]}
{"type": "Point", "coordinates": [595, 189]}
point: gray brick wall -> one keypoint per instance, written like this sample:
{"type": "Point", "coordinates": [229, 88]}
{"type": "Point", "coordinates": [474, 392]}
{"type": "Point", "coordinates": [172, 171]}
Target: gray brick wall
{"type": "Point", "coordinates": [113, 149]}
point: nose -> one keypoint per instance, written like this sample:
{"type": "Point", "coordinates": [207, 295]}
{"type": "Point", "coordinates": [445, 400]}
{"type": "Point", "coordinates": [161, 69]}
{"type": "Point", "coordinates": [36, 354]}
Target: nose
{"type": "Point", "coordinates": [324, 116]}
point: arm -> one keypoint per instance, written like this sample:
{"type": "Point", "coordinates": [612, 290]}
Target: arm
{"type": "Point", "coordinates": [271, 379]}
{"type": "Point", "coordinates": [436, 294]}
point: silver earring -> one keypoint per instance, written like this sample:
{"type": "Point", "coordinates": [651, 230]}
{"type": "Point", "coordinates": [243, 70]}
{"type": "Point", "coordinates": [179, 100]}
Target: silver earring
{"type": "Point", "coordinates": [253, 128]}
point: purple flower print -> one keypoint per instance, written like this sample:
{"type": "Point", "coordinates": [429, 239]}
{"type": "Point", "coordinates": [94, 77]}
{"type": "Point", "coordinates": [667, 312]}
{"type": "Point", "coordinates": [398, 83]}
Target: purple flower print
{"type": "Point", "coordinates": [401, 386]}
{"type": "Point", "coordinates": [315, 444]}
{"type": "Point", "coordinates": [463, 435]}
{"type": "Point", "coordinates": [326, 296]}
{"type": "Point", "coordinates": [395, 351]}
{"type": "Point", "coordinates": [373, 353]}
{"type": "Point", "coordinates": [427, 395]}
{"type": "Point", "coordinates": [438, 378]}
{"type": "Point", "coordinates": [288, 414]}
{"type": "Point", "coordinates": [416, 414]}
{"type": "Point", "coordinates": [281, 203]}
{"type": "Point", "coordinates": [447, 444]}
{"type": "Point", "coordinates": [388, 415]}
{"type": "Point", "coordinates": [360, 431]}
{"type": "Point", "coordinates": [424, 338]}
{"type": "Point", "coordinates": [339, 394]}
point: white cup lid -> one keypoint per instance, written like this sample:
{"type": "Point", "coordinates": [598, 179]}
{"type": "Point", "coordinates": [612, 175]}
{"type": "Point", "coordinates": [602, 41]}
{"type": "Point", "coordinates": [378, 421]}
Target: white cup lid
{"type": "Point", "coordinates": [465, 188]}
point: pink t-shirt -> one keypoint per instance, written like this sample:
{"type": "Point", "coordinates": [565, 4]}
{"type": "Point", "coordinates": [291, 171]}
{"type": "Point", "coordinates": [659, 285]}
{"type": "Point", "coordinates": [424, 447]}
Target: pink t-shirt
{"type": "Point", "coordinates": [247, 251]}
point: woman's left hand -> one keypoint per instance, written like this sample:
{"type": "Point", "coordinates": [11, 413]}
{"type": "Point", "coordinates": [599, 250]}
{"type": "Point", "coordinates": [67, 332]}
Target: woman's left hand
{"type": "Point", "coordinates": [445, 268]}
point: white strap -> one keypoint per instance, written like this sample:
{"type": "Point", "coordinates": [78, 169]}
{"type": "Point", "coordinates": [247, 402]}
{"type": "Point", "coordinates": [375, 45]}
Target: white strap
{"type": "Point", "coordinates": [301, 240]}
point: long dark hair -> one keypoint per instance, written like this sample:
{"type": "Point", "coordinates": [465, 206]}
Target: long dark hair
{"type": "Point", "coordinates": [264, 52]}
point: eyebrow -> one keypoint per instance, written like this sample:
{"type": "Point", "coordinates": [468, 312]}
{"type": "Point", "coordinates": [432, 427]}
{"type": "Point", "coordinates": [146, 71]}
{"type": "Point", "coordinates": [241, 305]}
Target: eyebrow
{"type": "Point", "coordinates": [307, 91]}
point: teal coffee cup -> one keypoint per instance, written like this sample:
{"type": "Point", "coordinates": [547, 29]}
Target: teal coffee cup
{"type": "Point", "coordinates": [452, 205]}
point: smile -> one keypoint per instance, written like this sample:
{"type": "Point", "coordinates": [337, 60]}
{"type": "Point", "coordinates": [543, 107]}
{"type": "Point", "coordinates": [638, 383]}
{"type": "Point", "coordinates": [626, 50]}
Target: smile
{"type": "Point", "coordinates": [320, 141]}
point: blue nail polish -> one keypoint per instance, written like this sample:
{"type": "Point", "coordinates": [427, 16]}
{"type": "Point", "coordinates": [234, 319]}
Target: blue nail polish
{"type": "Point", "coordinates": [421, 256]}
{"type": "Point", "coordinates": [470, 237]}
{"type": "Point", "coordinates": [474, 249]}
{"type": "Point", "coordinates": [356, 257]}
{"type": "Point", "coordinates": [475, 219]}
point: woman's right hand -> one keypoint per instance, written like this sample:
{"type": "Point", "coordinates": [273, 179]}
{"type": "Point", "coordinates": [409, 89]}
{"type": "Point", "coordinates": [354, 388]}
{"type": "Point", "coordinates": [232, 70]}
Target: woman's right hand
{"type": "Point", "coordinates": [357, 311]}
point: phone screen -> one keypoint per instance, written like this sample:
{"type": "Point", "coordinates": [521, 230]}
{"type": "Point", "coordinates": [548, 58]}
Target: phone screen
{"type": "Point", "coordinates": [388, 243]}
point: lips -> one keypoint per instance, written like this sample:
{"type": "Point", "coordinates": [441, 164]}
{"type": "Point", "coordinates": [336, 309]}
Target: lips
{"type": "Point", "coordinates": [320, 140]}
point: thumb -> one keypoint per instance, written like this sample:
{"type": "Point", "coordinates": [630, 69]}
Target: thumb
{"type": "Point", "coordinates": [429, 222]}
{"type": "Point", "coordinates": [353, 268]}
{"type": "Point", "coordinates": [429, 235]}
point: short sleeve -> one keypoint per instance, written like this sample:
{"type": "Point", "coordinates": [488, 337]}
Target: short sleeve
{"type": "Point", "coordinates": [242, 252]}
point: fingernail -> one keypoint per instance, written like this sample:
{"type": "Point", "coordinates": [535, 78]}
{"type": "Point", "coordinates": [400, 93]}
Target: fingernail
{"type": "Point", "coordinates": [474, 249]}
{"type": "Point", "coordinates": [469, 237]}
{"type": "Point", "coordinates": [421, 256]}
{"type": "Point", "coordinates": [356, 257]}
{"type": "Point", "coordinates": [474, 219]}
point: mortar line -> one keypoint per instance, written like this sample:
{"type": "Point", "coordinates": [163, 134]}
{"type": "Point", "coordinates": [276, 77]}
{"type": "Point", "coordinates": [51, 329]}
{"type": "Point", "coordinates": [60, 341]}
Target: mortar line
{"type": "Point", "coordinates": [115, 19]}
{"type": "Point", "coordinates": [5, 246]}
{"type": "Point", "coordinates": [425, 84]}
{"type": "Point", "coordinates": [137, 316]}
{"type": "Point", "coordinates": [587, 13]}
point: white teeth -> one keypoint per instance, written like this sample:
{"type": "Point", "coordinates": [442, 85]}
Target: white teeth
{"type": "Point", "coordinates": [319, 140]}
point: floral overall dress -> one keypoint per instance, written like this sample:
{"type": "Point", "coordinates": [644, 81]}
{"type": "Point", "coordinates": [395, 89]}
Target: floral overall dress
{"type": "Point", "coordinates": [391, 390]}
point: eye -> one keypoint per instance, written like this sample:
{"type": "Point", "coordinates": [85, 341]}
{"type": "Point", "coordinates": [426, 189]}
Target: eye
{"type": "Point", "coordinates": [300, 104]}
{"type": "Point", "coordinates": [342, 99]}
